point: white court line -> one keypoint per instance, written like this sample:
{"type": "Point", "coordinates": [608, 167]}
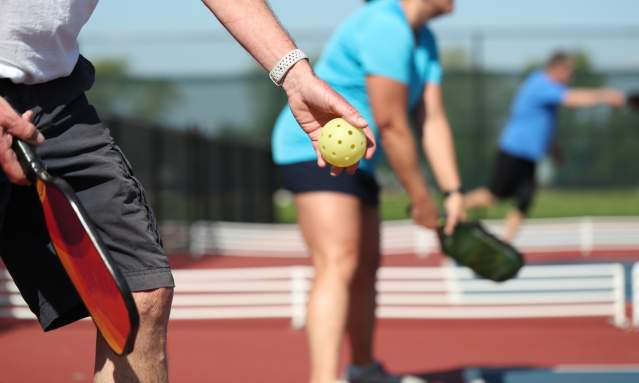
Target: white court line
{"type": "Point", "coordinates": [596, 368]}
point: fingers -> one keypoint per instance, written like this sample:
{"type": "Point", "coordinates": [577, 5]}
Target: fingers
{"type": "Point", "coordinates": [451, 222]}
{"type": "Point", "coordinates": [9, 161]}
{"type": "Point", "coordinates": [454, 212]}
{"type": "Point", "coordinates": [371, 144]}
{"type": "Point", "coordinates": [335, 171]}
{"type": "Point", "coordinates": [320, 160]}
{"type": "Point", "coordinates": [342, 108]}
{"type": "Point", "coordinates": [432, 223]}
{"type": "Point", "coordinates": [352, 169]}
{"type": "Point", "coordinates": [21, 127]}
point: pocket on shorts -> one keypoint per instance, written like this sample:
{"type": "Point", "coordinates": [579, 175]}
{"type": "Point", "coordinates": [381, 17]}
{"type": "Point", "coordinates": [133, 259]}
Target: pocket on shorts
{"type": "Point", "coordinates": [127, 170]}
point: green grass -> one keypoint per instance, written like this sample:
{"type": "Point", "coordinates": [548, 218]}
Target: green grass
{"type": "Point", "coordinates": [548, 204]}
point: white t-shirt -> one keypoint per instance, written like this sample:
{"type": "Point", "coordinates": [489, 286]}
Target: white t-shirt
{"type": "Point", "coordinates": [39, 38]}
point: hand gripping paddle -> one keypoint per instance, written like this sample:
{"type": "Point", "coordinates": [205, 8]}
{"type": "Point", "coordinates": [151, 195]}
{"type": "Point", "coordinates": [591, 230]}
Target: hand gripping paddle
{"type": "Point", "coordinates": [86, 260]}
{"type": "Point", "coordinates": [473, 246]}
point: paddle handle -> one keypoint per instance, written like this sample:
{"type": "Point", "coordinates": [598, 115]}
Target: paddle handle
{"type": "Point", "coordinates": [31, 164]}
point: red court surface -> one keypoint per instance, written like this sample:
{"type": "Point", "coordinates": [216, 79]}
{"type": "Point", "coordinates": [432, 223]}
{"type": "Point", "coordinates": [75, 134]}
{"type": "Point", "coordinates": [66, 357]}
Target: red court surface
{"type": "Point", "coordinates": [270, 351]}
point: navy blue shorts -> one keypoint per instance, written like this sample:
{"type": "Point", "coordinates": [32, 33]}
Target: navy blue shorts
{"type": "Point", "coordinates": [304, 177]}
{"type": "Point", "coordinates": [514, 177]}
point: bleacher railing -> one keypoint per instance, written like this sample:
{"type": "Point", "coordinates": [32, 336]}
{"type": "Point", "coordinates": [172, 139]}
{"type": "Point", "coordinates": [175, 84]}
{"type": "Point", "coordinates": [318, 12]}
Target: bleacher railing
{"type": "Point", "coordinates": [596, 290]}
{"type": "Point", "coordinates": [582, 235]}
{"type": "Point", "coordinates": [410, 293]}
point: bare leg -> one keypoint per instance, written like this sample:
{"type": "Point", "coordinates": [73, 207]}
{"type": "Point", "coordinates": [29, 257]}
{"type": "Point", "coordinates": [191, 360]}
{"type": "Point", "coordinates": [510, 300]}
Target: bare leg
{"type": "Point", "coordinates": [148, 361]}
{"type": "Point", "coordinates": [477, 198]}
{"type": "Point", "coordinates": [514, 219]}
{"type": "Point", "coordinates": [361, 315]}
{"type": "Point", "coordinates": [330, 223]}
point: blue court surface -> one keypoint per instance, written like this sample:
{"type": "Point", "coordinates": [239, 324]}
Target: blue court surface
{"type": "Point", "coordinates": [560, 374]}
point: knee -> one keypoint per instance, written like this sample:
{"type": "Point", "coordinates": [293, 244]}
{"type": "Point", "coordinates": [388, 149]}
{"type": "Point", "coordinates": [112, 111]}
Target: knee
{"type": "Point", "coordinates": [338, 262]}
{"type": "Point", "coordinates": [154, 306]}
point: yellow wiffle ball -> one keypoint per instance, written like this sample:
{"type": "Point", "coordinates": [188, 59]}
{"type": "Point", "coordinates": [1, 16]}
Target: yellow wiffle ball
{"type": "Point", "coordinates": [341, 144]}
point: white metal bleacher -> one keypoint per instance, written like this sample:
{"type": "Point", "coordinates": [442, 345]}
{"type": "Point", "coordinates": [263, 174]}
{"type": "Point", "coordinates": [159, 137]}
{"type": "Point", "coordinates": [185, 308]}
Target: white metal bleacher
{"type": "Point", "coordinates": [410, 293]}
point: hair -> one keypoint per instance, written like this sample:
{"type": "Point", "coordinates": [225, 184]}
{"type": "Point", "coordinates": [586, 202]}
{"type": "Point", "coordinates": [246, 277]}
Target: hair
{"type": "Point", "coordinates": [559, 58]}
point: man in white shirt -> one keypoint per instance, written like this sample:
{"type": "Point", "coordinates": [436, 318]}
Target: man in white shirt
{"type": "Point", "coordinates": [42, 83]}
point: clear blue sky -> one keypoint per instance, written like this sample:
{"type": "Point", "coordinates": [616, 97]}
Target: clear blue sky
{"type": "Point", "coordinates": [171, 36]}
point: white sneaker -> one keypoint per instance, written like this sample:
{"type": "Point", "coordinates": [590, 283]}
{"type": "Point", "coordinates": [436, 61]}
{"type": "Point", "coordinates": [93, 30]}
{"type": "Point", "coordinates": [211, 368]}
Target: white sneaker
{"type": "Point", "coordinates": [375, 373]}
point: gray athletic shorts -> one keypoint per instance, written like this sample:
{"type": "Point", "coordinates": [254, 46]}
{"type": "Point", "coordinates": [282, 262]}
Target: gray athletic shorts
{"type": "Point", "coordinates": [81, 150]}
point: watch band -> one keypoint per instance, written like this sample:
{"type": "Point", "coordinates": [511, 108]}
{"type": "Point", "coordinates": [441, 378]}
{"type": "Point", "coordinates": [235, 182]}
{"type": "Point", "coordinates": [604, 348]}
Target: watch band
{"type": "Point", "coordinates": [448, 193]}
{"type": "Point", "coordinates": [285, 64]}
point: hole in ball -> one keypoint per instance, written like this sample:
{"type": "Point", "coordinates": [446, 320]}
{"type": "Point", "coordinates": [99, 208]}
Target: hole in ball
{"type": "Point", "coordinates": [350, 132]}
{"type": "Point", "coordinates": [353, 146]}
{"type": "Point", "coordinates": [339, 142]}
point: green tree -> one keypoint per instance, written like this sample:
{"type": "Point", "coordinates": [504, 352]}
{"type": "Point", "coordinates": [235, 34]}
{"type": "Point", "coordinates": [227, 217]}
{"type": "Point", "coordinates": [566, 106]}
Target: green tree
{"type": "Point", "coordinates": [116, 91]}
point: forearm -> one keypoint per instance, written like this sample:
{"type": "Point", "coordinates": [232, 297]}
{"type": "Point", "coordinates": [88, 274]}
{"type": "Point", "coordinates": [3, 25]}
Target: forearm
{"type": "Point", "coordinates": [400, 148]}
{"type": "Point", "coordinates": [440, 151]}
{"type": "Point", "coordinates": [586, 97]}
{"type": "Point", "coordinates": [254, 26]}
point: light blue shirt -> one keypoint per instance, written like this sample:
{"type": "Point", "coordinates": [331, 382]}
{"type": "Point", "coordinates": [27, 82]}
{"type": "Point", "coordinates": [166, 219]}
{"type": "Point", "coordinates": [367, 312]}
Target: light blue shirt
{"type": "Point", "coordinates": [376, 40]}
{"type": "Point", "coordinates": [533, 118]}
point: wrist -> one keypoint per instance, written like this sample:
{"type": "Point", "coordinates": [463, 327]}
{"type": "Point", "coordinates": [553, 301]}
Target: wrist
{"type": "Point", "coordinates": [296, 76]}
{"type": "Point", "coordinates": [453, 191]}
{"type": "Point", "coordinates": [418, 196]}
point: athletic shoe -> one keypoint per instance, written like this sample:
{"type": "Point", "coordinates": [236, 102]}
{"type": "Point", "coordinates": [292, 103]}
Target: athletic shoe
{"type": "Point", "coordinates": [375, 373]}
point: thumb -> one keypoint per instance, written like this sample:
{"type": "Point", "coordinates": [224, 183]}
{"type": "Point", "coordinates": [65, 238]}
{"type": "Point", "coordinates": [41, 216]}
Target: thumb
{"type": "Point", "coordinates": [451, 222]}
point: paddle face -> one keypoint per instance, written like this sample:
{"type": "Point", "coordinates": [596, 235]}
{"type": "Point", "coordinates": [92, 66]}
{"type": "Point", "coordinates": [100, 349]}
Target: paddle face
{"type": "Point", "coordinates": [473, 246]}
{"type": "Point", "coordinates": [85, 259]}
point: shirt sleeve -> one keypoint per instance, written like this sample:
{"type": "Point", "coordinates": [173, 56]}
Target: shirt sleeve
{"type": "Point", "coordinates": [551, 93]}
{"type": "Point", "coordinates": [434, 71]}
{"type": "Point", "coordinates": [385, 48]}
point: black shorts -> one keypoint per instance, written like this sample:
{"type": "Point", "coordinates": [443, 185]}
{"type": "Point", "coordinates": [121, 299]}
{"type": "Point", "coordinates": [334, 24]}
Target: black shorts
{"type": "Point", "coordinates": [81, 150]}
{"type": "Point", "coordinates": [306, 176]}
{"type": "Point", "coordinates": [514, 177]}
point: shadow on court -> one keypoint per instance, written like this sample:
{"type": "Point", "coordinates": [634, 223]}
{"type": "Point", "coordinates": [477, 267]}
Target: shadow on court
{"type": "Point", "coordinates": [12, 324]}
{"type": "Point", "coordinates": [443, 376]}
{"type": "Point", "coordinates": [473, 375]}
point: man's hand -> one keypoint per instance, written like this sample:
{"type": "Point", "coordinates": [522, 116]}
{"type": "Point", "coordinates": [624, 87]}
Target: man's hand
{"type": "Point", "coordinates": [13, 125]}
{"type": "Point", "coordinates": [314, 103]}
{"type": "Point", "coordinates": [615, 98]}
{"type": "Point", "coordinates": [425, 213]}
{"type": "Point", "coordinates": [454, 206]}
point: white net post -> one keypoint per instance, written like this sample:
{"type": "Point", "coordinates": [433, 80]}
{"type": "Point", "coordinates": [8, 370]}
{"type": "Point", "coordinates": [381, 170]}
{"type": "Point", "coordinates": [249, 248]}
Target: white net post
{"type": "Point", "coordinates": [299, 287]}
{"type": "Point", "coordinates": [586, 236]}
{"type": "Point", "coordinates": [619, 287]}
{"type": "Point", "coordinates": [635, 295]}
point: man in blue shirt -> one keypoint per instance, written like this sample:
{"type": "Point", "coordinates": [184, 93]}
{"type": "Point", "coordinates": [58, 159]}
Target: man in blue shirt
{"type": "Point", "coordinates": [529, 135]}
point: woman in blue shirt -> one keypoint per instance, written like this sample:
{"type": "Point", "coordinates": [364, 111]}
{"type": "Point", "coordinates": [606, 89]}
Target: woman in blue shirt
{"type": "Point", "coordinates": [384, 61]}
